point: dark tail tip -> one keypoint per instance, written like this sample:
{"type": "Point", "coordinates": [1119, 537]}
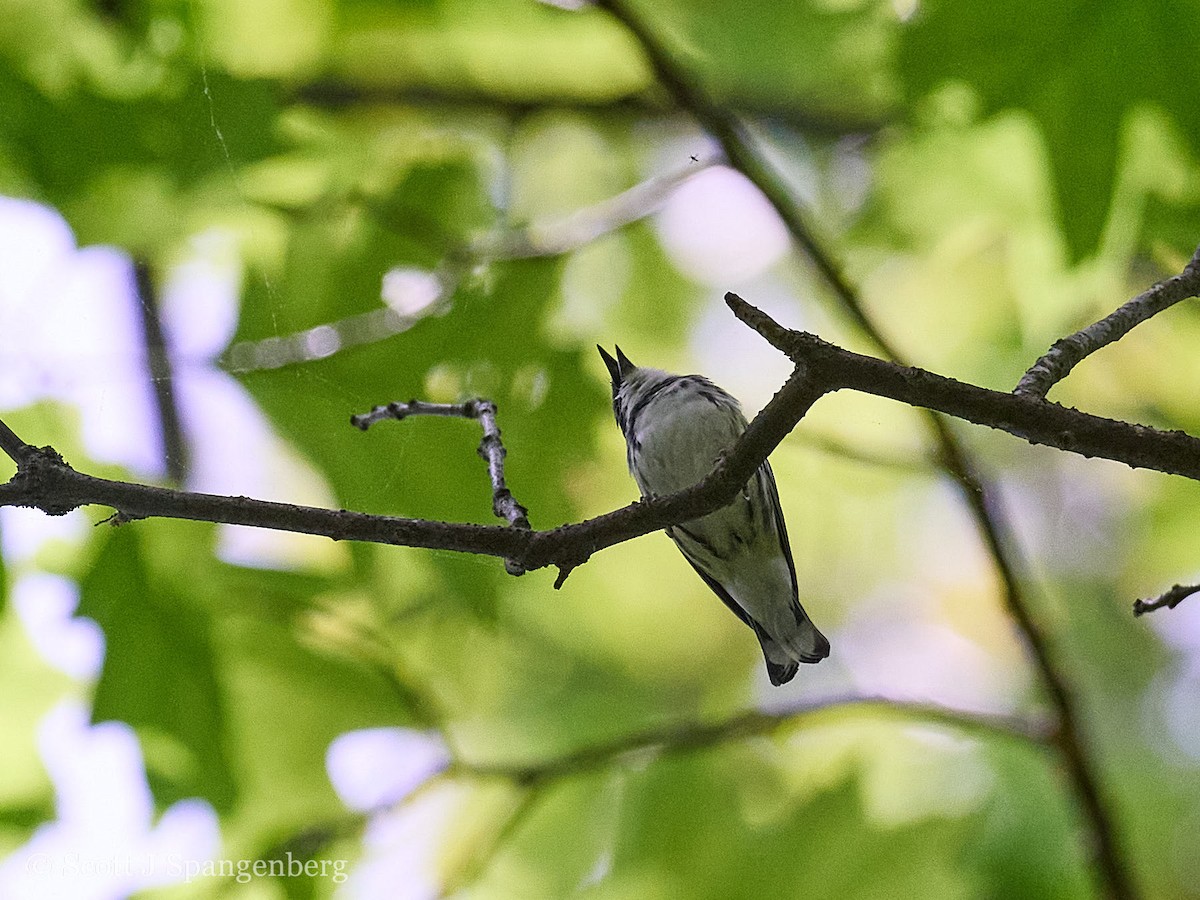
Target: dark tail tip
{"type": "Point", "coordinates": [782, 674]}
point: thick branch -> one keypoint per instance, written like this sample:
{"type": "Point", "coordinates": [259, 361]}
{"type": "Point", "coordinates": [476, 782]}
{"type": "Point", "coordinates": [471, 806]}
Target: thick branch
{"type": "Point", "coordinates": [45, 481]}
{"type": "Point", "coordinates": [1034, 420]}
{"type": "Point", "coordinates": [1061, 358]}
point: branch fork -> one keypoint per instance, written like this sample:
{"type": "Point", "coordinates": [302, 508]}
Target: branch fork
{"type": "Point", "coordinates": [491, 451]}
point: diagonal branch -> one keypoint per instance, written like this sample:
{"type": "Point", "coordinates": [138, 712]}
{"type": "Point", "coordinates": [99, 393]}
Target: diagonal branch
{"type": "Point", "coordinates": [1033, 420]}
{"type": "Point", "coordinates": [1067, 353]}
{"type": "Point", "coordinates": [17, 450]}
{"type": "Point", "coordinates": [47, 482]}
{"type": "Point", "coordinates": [955, 461]}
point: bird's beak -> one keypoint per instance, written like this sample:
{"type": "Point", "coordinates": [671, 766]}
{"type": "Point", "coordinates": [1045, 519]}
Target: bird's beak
{"type": "Point", "coordinates": [624, 363]}
{"type": "Point", "coordinates": [617, 368]}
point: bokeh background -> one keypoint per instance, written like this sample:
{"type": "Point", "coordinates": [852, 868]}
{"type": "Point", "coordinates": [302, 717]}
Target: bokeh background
{"type": "Point", "coordinates": [289, 211]}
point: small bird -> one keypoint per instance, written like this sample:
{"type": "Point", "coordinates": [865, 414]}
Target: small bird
{"type": "Point", "coordinates": [675, 427]}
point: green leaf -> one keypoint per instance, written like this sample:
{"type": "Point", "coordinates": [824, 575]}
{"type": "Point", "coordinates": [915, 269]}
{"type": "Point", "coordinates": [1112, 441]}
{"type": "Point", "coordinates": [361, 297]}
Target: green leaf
{"type": "Point", "coordinates": [1025, 842]}
{"type": "Point", "coordinates": [159, 674]}
{"type": "Point", "coordinates": [721, 825]}
{"type": "Point", "coordinates": [1077, 68]}
{"type": "Point", "coordinates": [111, 163]}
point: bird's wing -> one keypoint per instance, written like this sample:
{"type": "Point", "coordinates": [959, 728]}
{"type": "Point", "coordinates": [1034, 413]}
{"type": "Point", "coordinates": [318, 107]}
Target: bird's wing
{"type": "Point", "coordinates": [771, 497]}
{"type": "Point", "coordinates": [779, 673]}
{"type": "Point", "coordinates": [716, 586]}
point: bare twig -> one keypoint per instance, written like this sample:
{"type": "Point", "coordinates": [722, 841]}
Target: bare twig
{"type": "Point", "coordinates": [1061, 358]}
{"type": "Point", "coordinates": [559, 235]}
{"type": "Point", "coordinates": [45, 481]}
{"type": "Point", "coordinates": [1170, 599]}
{"type": "Point", "coordinates": [491, 449]}
{"type": "Point", "coordinates": [158, 363]}
{"type": "Point", "coordinates": [544, 237]}
{"type": "Point", "coordinates": [1033, 420]}
{"type": "Point", "coordinates": [693, 737]}
{"type": "Point", "coordinates": [511, 821]}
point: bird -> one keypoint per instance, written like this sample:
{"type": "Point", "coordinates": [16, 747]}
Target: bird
{"type": "Point", "coordinates": [675, 428]}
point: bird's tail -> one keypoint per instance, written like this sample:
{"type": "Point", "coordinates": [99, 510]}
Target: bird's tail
{"type": "Point", "coordinates": [801, 643]}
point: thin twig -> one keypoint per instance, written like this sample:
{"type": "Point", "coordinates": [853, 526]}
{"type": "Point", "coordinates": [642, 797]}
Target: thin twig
{"type": "Point", "coordinates": [1170, 599]}
{"type": "Point", "coordinates": [1061, 358]}
{"type": "Point", "coordinates": [491, 450]}
{"type": "Point", "coordinates": [691, 737]}
{"type": "Point", "coordinates": [542, 238]}
{"type": "Point", "coordinates": [560, 235]}
{"type": "Point", "coordinates": [524, 804]}
{"type": "Point", "coordinates": [162, 383]}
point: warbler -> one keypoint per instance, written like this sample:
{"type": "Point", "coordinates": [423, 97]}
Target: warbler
{"type": "Point", "coordinates": [675, 427]}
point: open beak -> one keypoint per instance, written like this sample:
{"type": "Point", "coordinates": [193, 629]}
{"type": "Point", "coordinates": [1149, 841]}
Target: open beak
{"type": "Point", "coordinates": [617, 368]}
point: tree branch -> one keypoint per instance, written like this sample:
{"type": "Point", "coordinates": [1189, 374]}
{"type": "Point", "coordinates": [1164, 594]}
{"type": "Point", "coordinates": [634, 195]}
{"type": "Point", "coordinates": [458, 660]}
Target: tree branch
{"type": "Point", "coordinates": [1067, 353]}
{"type": "Point", "coordinates": [45, 481]}
{"type": "Point", "coordinates": [699, 736]}
{"type": "Point", "coordinates": [690, 737]}
{"type": "Point", "coordinates": [1034, 420]}
{"type": "Point", "coordinates": [13, 446]}
{"type": "Point", "coordinates": [336, 94]}
{"type": "Point", "coordinates": [548, 236]}
{"type": "Point", "coordinates": [491, 450]}
{"type": "Point", "coordinates": [1170, 599]}
{"type": "Point", "coordinates": [162, 382]}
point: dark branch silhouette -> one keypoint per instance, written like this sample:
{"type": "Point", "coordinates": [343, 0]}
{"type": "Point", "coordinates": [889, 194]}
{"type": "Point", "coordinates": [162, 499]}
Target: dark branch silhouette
{"type": "Point", "coordinates": [1067, 353]}
{"type": "Point", "coordinates": [45, 481]}
{"type": "Point", "coordinates": [1170, 599]}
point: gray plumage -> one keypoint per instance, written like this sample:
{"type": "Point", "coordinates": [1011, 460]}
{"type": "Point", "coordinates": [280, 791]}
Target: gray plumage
{"type": "Point", "coordinates": [675, 427]}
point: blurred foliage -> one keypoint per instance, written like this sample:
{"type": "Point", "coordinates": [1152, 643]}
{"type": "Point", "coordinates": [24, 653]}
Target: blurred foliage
{"type": "Point", "coordinates": [993, 175]}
